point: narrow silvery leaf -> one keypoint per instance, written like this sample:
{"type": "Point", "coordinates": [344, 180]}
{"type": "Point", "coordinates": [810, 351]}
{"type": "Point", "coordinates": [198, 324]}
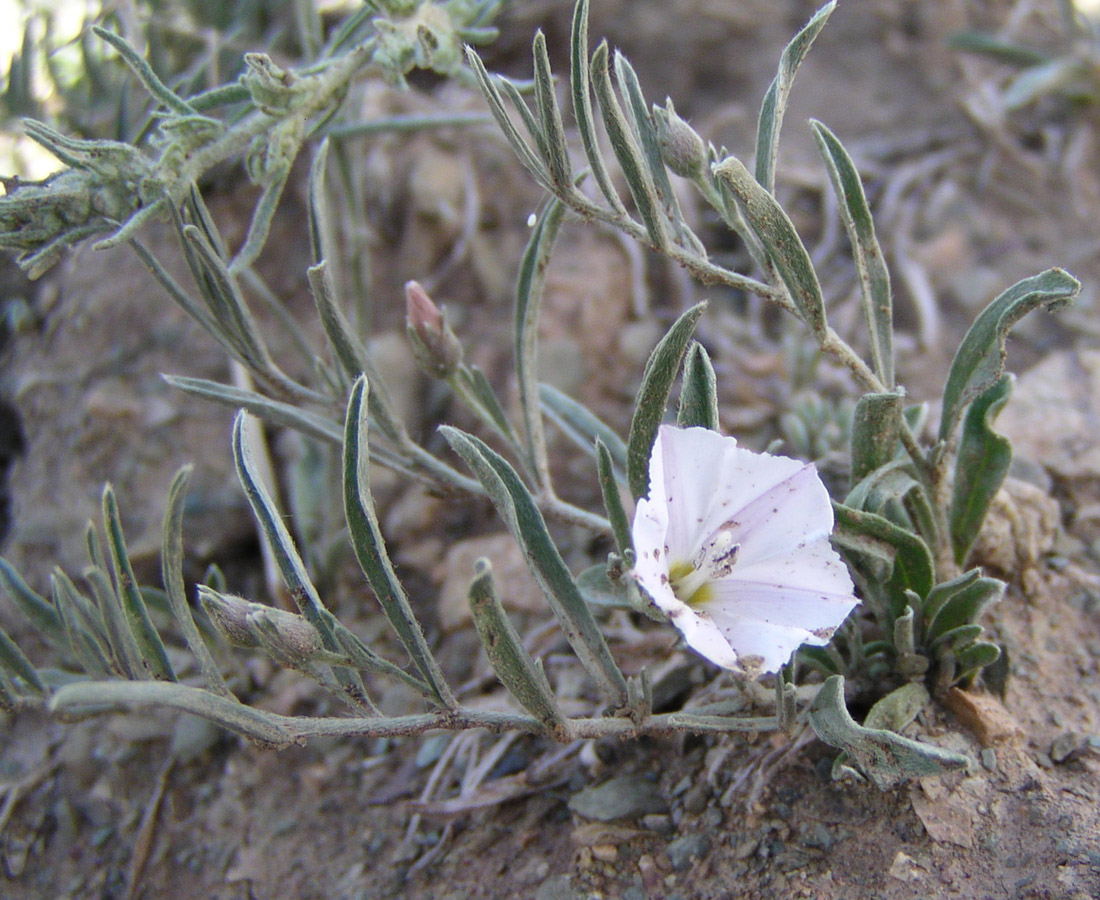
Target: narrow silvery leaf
{"type": "Point", "coordinates": [179, 295]}
{"type": "Point", "coordinates": [160, 91]}
{"type": "Point", "coordinates": [885, 757]}
{"type": "Point", "coordinates": [960, 602]}
{"type": "Point", "coordinates": [627, 151]}
{"type": "Point", "coordinates": [124, 645]}
{"type": "Point", "coordinates": [319, 226]}
{"type": "Point", "coordinates": [582, 425]}
{"type": "Point", "coordinates": [274, 411]}
{"type": "Point", "coordinates": [41, 613]}
{"type": "Point", "coordinates": [513, 665]}
{"type": "Point", "coordinates": [657, 380]}
{"type": "Point", "coordinates": [530, 122]}
{"type": "Point", "coordinates": [370, 549]}
{"type": "Point", "coordinates": [98, 696]}
{"type": "Point", "coordinates": [519, 511]}
{"type": "Point", "coordinates": [912, 560]}
{"type": "Point", "coordinates": [289, 562]}
{"type": "Point", "coordinates": [645, 134]}
{"type": "Point", "coordinates": [92, 656]}
{"type": "Point", "coordinates": [171, 567]}
{"type": "Point", "coordinates": [262, 216]}
{"type": "Point", "coordinates": [12, 658]}
{"type": "Point", "coordinates": [496, 106]}
{"type": "Point", "coordinates": [699, 391]}
{"type": "Point", "coordinates": [876, 427]}
{"type": "Point", "coordinates": [529, 288]}
{"type": "Point", "coordinates": [612, 502]}
{"type": "Point", "coordinates": [981, 465]}
{"type": "Point", "coordinates": [979, 361]}
{"type": "Point", "coordinates": [133, 605]}
{"type": "Point", "coordinates": [874, 279]}
{"type": "Point", "coordinates": [488, 406]}
{"type": "Point", "coordinates": [778, 236]}
{"type": "Point", "coordinates": [582, 105]}
{"type": "Point", "coordinates": [775, 100]}
{"type": "Point", "coordinates": [553, 131]}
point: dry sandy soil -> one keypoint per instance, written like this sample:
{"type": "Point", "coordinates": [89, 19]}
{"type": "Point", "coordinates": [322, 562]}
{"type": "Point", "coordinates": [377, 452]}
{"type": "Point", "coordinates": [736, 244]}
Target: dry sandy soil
{"type": "Point", "coordinates": [153, 805]}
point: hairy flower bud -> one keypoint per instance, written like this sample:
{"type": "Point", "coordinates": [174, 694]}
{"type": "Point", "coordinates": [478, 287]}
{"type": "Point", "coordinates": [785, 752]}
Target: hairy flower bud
{"type": "Point", "coordinates": [229, 615]}
{"type": "Point", "coordinates": [436, 348]}
{"type": "Point", "coordinates": [681, 147]}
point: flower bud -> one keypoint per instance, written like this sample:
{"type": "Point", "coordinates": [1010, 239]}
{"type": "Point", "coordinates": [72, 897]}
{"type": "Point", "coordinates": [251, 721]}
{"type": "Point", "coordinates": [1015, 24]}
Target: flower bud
{"type": "Point", "coordinates": [288, 637]}
{"type": "Point", "coordinates": [436, 348]}
{"type": "Point", "coordinates": [681, 147]}
{"type": "Point", "coordinates": [229, 615]}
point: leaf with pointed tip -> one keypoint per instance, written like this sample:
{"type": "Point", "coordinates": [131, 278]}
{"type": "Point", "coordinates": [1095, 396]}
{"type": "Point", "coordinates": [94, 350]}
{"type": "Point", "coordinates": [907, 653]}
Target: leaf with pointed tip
{"type": "Point", "coordinates": [981, 464]}
{"type": "Point", "coordinates": [885, 757]}
{"type": "Point", "coordinates": [657, 380]}
{"type": "Point", "coordinates": [582, 425]}
{"type": "Point", "coordinates": [698, 392]}
{"type": "Point", "coordinates": [41, 613]}
{"type": "Point", "coordinates": [775, 100]}
{"type": "Point", "coordinates": [979, 361]}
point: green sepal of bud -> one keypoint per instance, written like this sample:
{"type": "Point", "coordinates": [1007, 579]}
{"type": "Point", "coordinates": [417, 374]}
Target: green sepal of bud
{"type": "Point", "coordinates": [435, 346]}
{"type": "Point", "coordinates": [683, 151]}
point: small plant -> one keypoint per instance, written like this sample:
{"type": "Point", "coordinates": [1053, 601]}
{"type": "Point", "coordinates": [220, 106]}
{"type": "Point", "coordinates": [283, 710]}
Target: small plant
{"type": "Point", "coordinates": [732, 546]}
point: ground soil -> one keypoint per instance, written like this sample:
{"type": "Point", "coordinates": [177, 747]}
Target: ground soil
{"type": "Point", "coordinates": [968, 199]}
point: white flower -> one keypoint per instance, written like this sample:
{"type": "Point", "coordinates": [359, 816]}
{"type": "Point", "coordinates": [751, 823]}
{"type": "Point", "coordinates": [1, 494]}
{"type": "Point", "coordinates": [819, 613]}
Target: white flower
{"type": "Point", "coordinates": [734, 547]}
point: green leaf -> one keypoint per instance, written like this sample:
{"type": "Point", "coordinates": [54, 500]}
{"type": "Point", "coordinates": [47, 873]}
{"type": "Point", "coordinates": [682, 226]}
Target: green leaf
{"type": "Point", "coordinates": [630, 156]}
{"type": "Point", "coordinates": [529, 288]}
{"type": "Point", "coordinates": [775, 100]}
{"type": "Point", "coordinates": [898, 708]}
{"type": "Point", "coordinates": [699, 391]}
{"type": "Point", "coordinates": [552, 130]}
{"type": "Point", "coordinates": [874, 279]}
{"type": "Point", "coordinates": [979, 361]}
{"type": "Point", "coordinates": [518, 672]}
{"type": "Point", "coordinates": [289, 562]}
{"type": "Point", "coordinates": [41, 613]}
{"type": "Point", "coordinates": [657, 379]}
{"type": "Point", "coordinates": [996, 48]}
{"type": "Point", "coordinates": [981, 465]}
{"type": "Point", "coordinates": [580, 87]}
{"type": "Point", "coordinates": [92, 655]}
{"type": "Point", "coordinates": [960, 603]}
{"type": "Point", "coordinates": [12, 659]}
{"type": "Point", "coordinates": [149, 643]}
{"type": "Point", "coordinates": [582, 425]}
{"type": "Point", "coordinates": [612, 502]}
{"type": "Point", "coordinates": [171, 567]}
{"type": "Point", "coordinates": [779, 238]}
{"type": "Point", "coordinates": [120, 636]}
{"type": "Point", "coordinates": [370, 548]}
{"type": "Point", "coordinates": [520, 513]}
{"type": "Point", "coordinates": [885, 757]}
{"type": "Point", "coordinates": [876, 427]}
{"type": "Point", "coordinates": [973, 658]}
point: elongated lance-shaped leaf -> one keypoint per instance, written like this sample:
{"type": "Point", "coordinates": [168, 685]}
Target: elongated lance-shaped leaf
{"type": "Point", "coordinates": [262, 216]}
{"type": "Point", "coordinates": [496, 106]}
{"type": "Point", "coordinates": [124, 645]}
{"type": "Point", "coordinates": [171, 568]}
{"type": "Point", "coordinates": [553, 131]}
{"type": "Point", "coordinates": [775, 100]}
{"type": "Point", "coordinates": [630, 156]}
{"type": "Point", "coordinates": [41, 613]}
{"type": "Point", "coordinates": [580, 87]}
{"type": "Point", "coordinates": [100, 696]}
{"type": "Point", "coordinates": [92, 656]}
{"type": "Point", "coordinates": [13, 659]}
{"type": "Point", "coordinates": [350, 352]}
{"type": "Point", "coordinates": [474, 388]}
{"type": "Point", "coordinates": [657, 379]}
{"type": "Point", "coordinates": [133, 605]}
{"type": "Point", "coordinates": [513, 665]}
{"type": "Point", "coordinates": [981, 465]}
{"type": "Point", "coordinates": [699, 391]}
{"type": "Point", "coordinates": [913, 567]}
{"type": "Point", "coordinates": [612, 502]}
{"type": "Point", "coordinates": [874, 279]}
{"type": "Point", "coordinates": [876, 427]}
{"type": "Point", "coordinates": [582, 425]}
{"type": "Point", "coordinates": [778, 236]}
{"type": "Point", "coordinates": [979, 361]}
{"type": "Point", "coordinates": [530, 121]}
{"type": "Point", "coordinates": [370, 549]}
{"type": "Point", "coordinates": [144, 71]}
{"type": "Point", "coordinates": [520, 513]}
{"type": "Point", "coordinates": [960, 602]}
{"type": "Point", "coordinates": [276, 412]}
{"type": "Point", "coordinates": [529, 288]}
{"type": "Point", "coordinates": [289, 562]}
{"type": "Point", "coordinates": [639, 117]}
{"type": "Point", "coordinates": [885, 757]}
{"type": "Point", "coordinates": [317, 208]}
